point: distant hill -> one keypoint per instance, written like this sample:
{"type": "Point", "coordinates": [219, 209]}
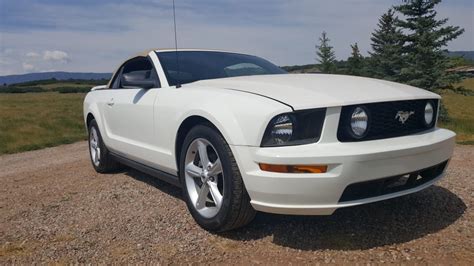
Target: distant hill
{"type": "Point", "coordinates": [12, 79]}
{"type": "Point", "coordinates": [469, 55]}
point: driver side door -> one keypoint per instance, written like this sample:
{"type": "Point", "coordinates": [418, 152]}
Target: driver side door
{"type": "Point", "coordinates": [129, 111]}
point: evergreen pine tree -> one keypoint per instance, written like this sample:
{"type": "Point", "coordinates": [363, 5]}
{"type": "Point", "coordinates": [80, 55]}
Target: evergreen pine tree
{"type": "Point", "coordinates": [426, 38]}
{"type": "Point", "coordinates": [325, 55]}
{"type": "Point", "coordinates": [355, 62]}
{"type": "Point", "coordinates": [387, 44]}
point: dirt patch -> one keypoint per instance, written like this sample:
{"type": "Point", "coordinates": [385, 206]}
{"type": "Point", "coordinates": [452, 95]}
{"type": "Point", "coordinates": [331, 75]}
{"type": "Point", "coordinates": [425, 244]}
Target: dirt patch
{"type": "Point", "coordinates": [55, 208]}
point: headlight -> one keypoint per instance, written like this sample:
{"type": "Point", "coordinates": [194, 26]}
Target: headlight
{"type": "Point", "coordinates": [282, 129]}
{"type": "Point", "coordinates": [359, 122]}
{"type": "Point", "coordinates": [300, 127]}
{"type": "Point", "coordinates": [429, 113]}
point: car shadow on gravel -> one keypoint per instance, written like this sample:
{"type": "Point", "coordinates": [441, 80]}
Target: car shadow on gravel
{"type": "Point", "coordinates": [388, 222]}
{"type": "Point", "coordinates": [154, 182]}
{"type": "Point", "coordinates": [363, 227]}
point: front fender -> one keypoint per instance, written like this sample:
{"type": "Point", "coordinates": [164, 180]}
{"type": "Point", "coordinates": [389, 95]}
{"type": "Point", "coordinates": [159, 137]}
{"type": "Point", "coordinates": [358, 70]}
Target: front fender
{"type": "Point", "coordinates": [240, 117]}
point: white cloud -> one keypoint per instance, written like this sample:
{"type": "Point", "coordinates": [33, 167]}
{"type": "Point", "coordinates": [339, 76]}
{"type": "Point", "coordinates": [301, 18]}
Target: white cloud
{"type": "Point", "coordinates": [56, 56]}
{"type": "Point", "coordinates": [284, 32]}
{"type": "Point", "coordinates": [28, 67]}
{"type": "Point", "coordinates": [32, 55]}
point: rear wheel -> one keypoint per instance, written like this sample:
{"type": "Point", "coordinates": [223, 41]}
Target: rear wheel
{"type": "Point", "coordinates": [211, 181]}
{"type": "Point", "coordinates": [100, 156]}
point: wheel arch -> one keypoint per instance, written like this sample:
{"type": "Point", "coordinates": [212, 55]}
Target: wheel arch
{"type": "Point", "coordinates": [89, 119]}
{"type": "Point", "coordinates": [186, 126]}
{"type": "Point", "coordinates": [91, 112]}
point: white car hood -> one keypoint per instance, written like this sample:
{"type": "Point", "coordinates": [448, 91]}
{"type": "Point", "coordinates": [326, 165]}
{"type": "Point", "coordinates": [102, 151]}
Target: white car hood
{"type": "Point", "coordinates": [304, 91]}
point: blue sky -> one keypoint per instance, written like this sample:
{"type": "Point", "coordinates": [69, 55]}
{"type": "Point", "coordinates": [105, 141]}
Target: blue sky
{"type": "Point", "coordinates": [96, 35]}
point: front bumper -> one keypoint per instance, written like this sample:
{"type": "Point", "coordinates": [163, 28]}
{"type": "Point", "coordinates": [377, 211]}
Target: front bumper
{"type": "Point", "coordinates": [348, 163]}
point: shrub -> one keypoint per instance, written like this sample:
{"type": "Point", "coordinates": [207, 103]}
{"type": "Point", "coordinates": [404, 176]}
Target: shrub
{"type": "Point", "coordinates": [72, 89]}
{"type": "Point", "coordinates": [443, 114]}
{"type": "Point", "coordinates": [14, 89]}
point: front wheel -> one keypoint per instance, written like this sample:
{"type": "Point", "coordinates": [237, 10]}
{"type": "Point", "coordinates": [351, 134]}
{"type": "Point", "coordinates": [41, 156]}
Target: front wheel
{"type": "Point", "coordinates": [100, 156]}
{"type": "Point", "coordinates": [212, 185]}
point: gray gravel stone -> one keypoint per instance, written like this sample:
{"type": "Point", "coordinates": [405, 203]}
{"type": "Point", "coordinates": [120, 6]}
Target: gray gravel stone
{"type": "Point", "coordinates": [55, 209]}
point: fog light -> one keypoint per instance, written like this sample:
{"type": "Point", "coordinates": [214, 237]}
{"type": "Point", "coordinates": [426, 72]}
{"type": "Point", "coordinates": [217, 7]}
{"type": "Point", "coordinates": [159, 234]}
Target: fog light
{"type": "Point", "coordinates": [301, 169]}
{"type": "Point", "coordinates": [359, 122]}
{"type": "Point", "coordinates": [429, 113]}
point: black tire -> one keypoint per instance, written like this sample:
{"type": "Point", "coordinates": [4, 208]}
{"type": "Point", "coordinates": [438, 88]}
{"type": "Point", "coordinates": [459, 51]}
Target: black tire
{"type": "Point", "coordinates": [106, 163]}
{"type": "Point", "coordinates": [236, 210]}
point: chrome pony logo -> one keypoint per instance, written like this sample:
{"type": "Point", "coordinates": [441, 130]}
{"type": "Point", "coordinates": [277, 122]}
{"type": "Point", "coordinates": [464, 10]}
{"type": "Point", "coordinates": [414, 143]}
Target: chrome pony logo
{"type": "Point", "coordinates": [403, 116]}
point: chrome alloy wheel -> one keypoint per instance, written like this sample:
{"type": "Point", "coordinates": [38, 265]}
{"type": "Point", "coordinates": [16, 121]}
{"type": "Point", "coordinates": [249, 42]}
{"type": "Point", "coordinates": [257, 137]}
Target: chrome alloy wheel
{"type": "Point", "coordinates": [204, 177]}
{"type": "Point", "coordinates": [94, 146]}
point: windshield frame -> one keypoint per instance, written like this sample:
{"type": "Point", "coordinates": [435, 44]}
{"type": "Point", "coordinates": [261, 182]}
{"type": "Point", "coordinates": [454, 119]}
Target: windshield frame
{"type": "Point", "coordinates": [276, 70]}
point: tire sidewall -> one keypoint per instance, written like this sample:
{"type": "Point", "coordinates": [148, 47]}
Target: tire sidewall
{"type": "Point", "coordinates": [99, 168]}
{"type": "Point", "coordinates": [216, 140]}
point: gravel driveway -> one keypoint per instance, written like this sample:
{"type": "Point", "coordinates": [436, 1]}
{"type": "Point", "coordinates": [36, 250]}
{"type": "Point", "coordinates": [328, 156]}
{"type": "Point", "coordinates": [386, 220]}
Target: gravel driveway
{"type": "Point", "coordinates": [55, 208]}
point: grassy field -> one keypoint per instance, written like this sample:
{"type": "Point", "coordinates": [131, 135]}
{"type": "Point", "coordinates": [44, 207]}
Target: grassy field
{"type": "Point", "coordinates": [467, 84]}
{"type": "Point", "coordinates": [36, 120]}
{"type": "Point", "coordinates": [31, 121]}
{"type": "Point", "coordinates": [461, 111]}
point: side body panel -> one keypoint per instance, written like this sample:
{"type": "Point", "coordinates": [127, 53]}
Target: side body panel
{"type": "Point", "coordinates": [173, 106]}
{"type": "Point", "coordinates": [149, 137]}
{"type": "Point", "coordinates": [129, 121]}
{"type": "Point", "coordinates": [142, 125]}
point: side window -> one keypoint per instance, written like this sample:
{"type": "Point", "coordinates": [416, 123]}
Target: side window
{"type": "Point", "coordinates": [116, 81]}
{"type": "Point", "coordinates": [140, 68]}
{"type": "Point", "coordinates": [244, 69]}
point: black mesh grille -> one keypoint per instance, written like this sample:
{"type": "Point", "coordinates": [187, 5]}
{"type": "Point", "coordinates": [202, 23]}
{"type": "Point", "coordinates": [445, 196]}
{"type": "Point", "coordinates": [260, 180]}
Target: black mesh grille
{"type": "Point", "coordinates": [383, 120]}
{"type": "Point", "coordinates": [384, 186]}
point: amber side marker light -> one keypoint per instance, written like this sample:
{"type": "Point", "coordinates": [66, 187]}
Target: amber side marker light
{"type": "Point", "coordinates": [300, 169]}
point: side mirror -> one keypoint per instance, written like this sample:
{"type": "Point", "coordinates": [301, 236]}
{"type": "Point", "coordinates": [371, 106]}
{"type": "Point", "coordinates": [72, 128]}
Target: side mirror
{"type": "Point", "coordinates": [133, 80]}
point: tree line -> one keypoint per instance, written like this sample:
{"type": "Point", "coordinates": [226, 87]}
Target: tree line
{"type": "Point", "coordinates": [408, 46]}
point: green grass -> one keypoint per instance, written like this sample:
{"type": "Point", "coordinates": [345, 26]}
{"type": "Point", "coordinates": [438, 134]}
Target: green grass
{"type": "Point", "coordinates": [32, 121]}
{"type": "Point", "coordinates": [461, 112]}
{"type": "Point", "coordinates": [460, 107]}
{"type": "Point", "coordinates": [467, 84]}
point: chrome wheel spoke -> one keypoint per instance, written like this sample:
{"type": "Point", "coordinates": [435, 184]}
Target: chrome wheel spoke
{"type": "Point", "coordinates": [94, 156]}
{"type": "Point", "coordinates": [216, 195]}
{"type": "Point", "coordinates": [193, 170]}
{"type": "Point", "coordinates": [94, 147]}
{"type": "Point", "coordinates": [216, 168]}
{"type": "Point", "coordinates": [205, 180]}
{"type": "Point", "coordinates": [202, 149]}
{"type": "Point", "coordinates": [202, 197]}
{"type": "Point", "coordinates": [94, 136]}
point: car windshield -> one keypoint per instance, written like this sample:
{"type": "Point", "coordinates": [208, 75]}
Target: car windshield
{"type": "Point", "coordinates": [200, 65]}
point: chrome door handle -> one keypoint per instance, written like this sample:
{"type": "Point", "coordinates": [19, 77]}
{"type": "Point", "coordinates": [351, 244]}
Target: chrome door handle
{"type": "Point", "coordinates": [111, 102]}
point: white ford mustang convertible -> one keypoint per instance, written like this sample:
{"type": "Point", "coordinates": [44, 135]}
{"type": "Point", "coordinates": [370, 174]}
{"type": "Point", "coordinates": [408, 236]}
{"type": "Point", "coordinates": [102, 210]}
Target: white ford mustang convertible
{"type": "Point", "coordinates": [241, 135]}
